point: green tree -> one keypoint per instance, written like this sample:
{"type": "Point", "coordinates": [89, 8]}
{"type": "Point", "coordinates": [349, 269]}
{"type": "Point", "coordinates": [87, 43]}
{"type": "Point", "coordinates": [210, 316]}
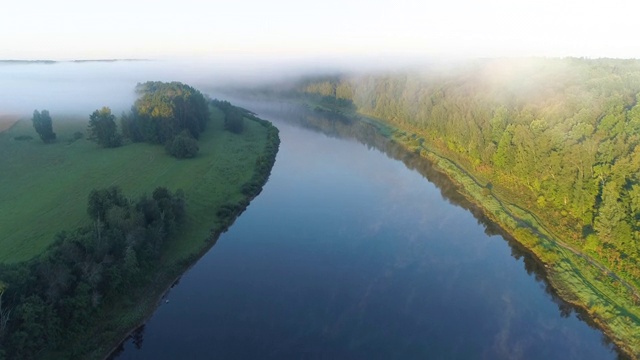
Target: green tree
{"type": "Point", "coordinates": [233, 120]}
{"type": "Point", "coordinates": [43, 125]}
{"type": "Point", "coordinates": [183, 146]}
{"type": "Point", "coordinates": [103, 128]}
{"type": "Point", "coordinates": [163, 110]}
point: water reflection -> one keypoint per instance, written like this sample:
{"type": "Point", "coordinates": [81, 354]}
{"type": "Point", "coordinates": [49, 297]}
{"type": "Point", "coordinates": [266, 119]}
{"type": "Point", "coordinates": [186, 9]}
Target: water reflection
{"type": "Point", "coordinates": [347, 254]}
{"type": "Point", "coordinates": [343, 127]}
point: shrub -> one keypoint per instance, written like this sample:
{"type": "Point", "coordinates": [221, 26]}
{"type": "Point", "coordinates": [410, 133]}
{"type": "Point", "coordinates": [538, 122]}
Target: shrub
{"type": "Point", "coordinates": [183, 146]}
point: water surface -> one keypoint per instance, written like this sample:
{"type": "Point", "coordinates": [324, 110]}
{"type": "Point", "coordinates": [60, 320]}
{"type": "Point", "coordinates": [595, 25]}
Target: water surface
{"type": "Point", "coordinates": [350, 253]}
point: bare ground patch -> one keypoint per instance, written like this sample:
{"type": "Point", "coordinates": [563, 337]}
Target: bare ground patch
{"type": "Point", "coordinates": [6, 121]}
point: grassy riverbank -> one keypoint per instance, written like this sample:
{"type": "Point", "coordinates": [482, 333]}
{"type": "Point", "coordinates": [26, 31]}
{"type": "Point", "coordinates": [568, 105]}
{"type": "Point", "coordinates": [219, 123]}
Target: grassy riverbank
{"type": "Point", "coordinates": [214, 216]}
{"type": "Point", "coordinates": [48, 187]}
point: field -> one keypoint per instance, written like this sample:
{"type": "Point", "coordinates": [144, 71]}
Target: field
{"type": "Point", "coordinates": [44, 187]}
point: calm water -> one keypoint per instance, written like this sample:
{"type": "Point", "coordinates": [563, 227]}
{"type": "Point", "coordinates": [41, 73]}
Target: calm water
{"type": "Point", "coordinates": [350, 253]}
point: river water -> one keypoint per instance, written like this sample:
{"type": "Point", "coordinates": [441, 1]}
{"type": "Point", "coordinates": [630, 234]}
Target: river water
{"type": "Point", "coordinates": [357, 250]}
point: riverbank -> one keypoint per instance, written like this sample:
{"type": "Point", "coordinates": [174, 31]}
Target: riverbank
{"type": "Point", "coordinates": [170, 271]}
{"type": "Point", "coordinates": [217, 186]}
{"type": "Point", "coordinates": [576, 278]}
{"type": "Point", "coordinates": [609, 301]}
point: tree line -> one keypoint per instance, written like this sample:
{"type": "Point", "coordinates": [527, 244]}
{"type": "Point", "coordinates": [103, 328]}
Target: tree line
{"type": "Point", "coordinates": [52, 298]}
{"type": "Point", "coordinates": [169, 114]}
{"type": "Point", "coordinates": [559, 137]}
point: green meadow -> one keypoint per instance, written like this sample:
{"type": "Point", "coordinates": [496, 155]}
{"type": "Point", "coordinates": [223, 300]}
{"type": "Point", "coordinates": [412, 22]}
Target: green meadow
{"type": "Point", "coordinates": [44, 187]}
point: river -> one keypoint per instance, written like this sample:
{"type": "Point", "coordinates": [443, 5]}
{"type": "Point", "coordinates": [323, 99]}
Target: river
{"type": "Point", "coordinates": [357, 250]}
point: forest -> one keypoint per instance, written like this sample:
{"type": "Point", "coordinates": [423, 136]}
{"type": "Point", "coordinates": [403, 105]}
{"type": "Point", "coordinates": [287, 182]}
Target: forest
{"type": "Point", "coordinates": [53, 297]}
{"type": "Point", "coordinates": [559, 136]}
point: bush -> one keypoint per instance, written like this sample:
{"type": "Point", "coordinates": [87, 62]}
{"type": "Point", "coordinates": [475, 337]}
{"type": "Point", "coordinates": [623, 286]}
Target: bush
{"type": "Point", "coordinates": [183, 146]}
{"type": "Point", "coordinates": [23, 138]}
{"type": "Point", "coordinates": [233, 120]}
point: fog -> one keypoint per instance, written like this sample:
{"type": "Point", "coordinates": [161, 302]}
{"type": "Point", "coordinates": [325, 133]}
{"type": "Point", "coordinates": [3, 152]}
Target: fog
{"type": "Point", "coordinates": [82, 87]}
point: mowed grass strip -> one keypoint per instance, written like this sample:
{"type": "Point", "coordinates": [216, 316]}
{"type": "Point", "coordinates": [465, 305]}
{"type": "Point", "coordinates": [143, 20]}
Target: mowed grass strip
{"type": "Point", "coordinates": [44, 187]}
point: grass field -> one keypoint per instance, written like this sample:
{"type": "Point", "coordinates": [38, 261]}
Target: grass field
{"type": "Point", "coordinates": [44, 187]}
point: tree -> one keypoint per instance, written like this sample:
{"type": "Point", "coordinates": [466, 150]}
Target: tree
{"type": "Point", "coordinates": [233, 120]}
{"type": "Point", "coordinates": [103, 128]}
{"type": "Point", "coordinates": [43, 125]}
{"type": "Point", "coordinates": [100, 201]}
{"type": "Point", "coordinates": [164, 110]}
{"type": "Point", "coordinates": [183, 146]}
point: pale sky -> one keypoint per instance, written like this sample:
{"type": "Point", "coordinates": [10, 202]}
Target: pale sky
{"type": "Point", "coordinates": [86, 29]}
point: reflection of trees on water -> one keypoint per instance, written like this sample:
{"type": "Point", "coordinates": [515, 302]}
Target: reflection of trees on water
{"type": "Point", "coordinates": [136, 337]}
{"type": "Point", "coordinates": [335, 124]}
{"type": "Point", "coordinates": [338, 125]}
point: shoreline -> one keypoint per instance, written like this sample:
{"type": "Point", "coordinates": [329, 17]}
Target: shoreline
{"type": "Point", "coordinates": [603, 300]}
{"type": "Point", "coordinates": [553, 276]}
{"type": "Point", "coordinates": [119, 346]}
{"type": "Point", "coordinates": [192, 259]}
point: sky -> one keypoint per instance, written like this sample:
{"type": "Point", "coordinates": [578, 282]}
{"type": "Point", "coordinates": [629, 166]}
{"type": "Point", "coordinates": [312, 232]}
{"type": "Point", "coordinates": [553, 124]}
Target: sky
{"type": "Point", "coordinates": [85, 29]}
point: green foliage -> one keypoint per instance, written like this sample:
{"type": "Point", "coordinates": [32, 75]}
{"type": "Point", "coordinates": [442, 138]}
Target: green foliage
{"type": "Point", "coordinates": [43, 124]}
{"type": "Point", "coordinates": [103, 129]}
{"type": "Point", "coordinates": [233, 115]}
{"type": "Point", "coordinates": [65, 175]}
{"type": "Point", "coordinates": [183, 146]}
{"type": "Point", "coordinates": [64, 178]}
{"type": "Point", "coordinates": [557, 139]}
{"type": "Point", "coordinates": [163, 110]}
{"type": "Point", "coordinates": [233, 120]}
{"type": "Point", "coordinates": [64, 287]}
{"type": "Point", "coordinates": [557, 136]}
{"type": "Point", "coordinates": [102, 200]}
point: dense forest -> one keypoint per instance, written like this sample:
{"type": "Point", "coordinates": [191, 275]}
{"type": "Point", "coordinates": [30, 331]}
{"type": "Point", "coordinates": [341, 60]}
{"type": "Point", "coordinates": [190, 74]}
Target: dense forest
{"type": "Point", "coordinates": [52, 298]}
{"type": "Point", "coordinates": [557, 136]}
{"type": "Point", "coordinates": [172, 114]}
{"type": "Point", "coordinates": [163, 110]}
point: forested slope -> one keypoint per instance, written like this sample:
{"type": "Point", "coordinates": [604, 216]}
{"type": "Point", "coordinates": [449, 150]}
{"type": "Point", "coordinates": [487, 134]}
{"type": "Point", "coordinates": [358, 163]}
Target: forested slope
{"type": "Point", "coordinates": [559, 136]}
{"type": "Point", "coordinates": [547, 147]}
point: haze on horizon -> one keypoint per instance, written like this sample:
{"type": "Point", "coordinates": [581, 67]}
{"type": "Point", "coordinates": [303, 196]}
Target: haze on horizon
{"type": "Point", "coordinates": [330, 29]}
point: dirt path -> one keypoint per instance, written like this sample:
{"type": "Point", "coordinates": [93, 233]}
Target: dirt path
{"type": "Point", "coordinates": [6, 121]}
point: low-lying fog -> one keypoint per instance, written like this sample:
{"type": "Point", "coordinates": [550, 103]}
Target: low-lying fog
{"type": "Point", "coordinates": [82, 87]}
